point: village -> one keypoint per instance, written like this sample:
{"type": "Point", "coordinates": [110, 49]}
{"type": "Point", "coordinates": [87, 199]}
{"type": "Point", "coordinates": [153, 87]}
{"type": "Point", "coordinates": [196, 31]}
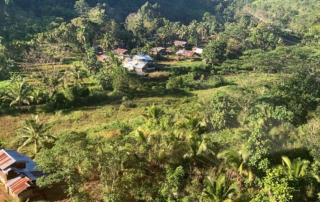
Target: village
{"type": "Point", "coordinates": [143, 64]}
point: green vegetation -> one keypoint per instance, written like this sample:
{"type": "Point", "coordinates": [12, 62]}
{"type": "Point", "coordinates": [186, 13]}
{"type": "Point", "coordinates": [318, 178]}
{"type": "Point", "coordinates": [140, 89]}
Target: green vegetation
{"type": "Point", "coordinates": [239, 122]}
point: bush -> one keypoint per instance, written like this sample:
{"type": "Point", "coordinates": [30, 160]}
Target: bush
{"type": "Point", "coordinates": [179, 82]}
{"type": "Point", "coordinates": [215, 81]}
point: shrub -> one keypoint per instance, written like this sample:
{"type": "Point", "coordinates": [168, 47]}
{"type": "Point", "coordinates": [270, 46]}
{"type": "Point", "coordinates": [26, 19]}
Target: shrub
{"type": "Point", "coordinates": [179, 82]}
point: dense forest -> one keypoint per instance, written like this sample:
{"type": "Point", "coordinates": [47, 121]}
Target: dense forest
{"type": "Point", "coordinates": [238, 121]}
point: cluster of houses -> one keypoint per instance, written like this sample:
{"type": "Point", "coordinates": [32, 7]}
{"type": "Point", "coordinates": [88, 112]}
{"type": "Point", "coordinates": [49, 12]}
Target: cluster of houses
{"type": "Point", "coordinates": [18, 174]}
{"type": "Point", "coordinates": [144, 63]}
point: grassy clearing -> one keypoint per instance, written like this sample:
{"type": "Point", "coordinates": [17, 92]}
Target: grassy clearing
{"type": "Point", "coordinates": [107, 119]}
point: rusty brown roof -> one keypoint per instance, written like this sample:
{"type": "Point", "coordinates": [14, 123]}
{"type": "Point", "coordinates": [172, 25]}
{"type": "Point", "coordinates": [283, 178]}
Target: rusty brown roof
{"type": "Point", "coordinates": [180, 43]}
{"type": "Point", "coordinates": [5, 160]}
{"type": "Point", "coordinates": [18, 184]}
{"type": "Point", "coordinates": [188, 53]}
{"type": "Point", "coordinates": [120, 51]}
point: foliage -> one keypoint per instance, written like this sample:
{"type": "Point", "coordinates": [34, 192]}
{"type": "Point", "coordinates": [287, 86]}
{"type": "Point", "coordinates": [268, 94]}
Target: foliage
{"type": "Point", "coordinates": [34, 132]}
{"type": "Point", "coordinates": [18, 93]}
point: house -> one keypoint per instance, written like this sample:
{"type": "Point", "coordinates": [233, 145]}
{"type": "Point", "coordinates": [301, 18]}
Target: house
{"type": "Point", "coordinates": [121, 52]}
{"type": "Point", "coordinates": [179, 52]}
{"type": "Point", "coordinates": [139, 67]}
{"type": "Point", "coordinates": [185, 53]}
{"type": "Point", "coordinates": [158, 50]}
{"type": "Point", "coordinates": [198, 51]}
{"type": "Point", "coordinates": [102, 57]}
{"type": "Point", "coordinates": [139, 64]}
{"type": "Point", "coordinates": [169, 50]}
{"type": "Point", "coordinates": [144, 58]}
{"type": "Point", "coordinates": [18, 174]}
{"type": "Point", "coordinates": [180, 43]}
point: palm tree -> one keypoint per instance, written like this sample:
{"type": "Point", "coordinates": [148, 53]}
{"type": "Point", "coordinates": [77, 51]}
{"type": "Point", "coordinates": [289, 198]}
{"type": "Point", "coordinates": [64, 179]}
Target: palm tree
{"type": "Point", "coordinates": [107, 41]}
{"type": "Point", "coordinates": [296, 168]}
{"type": "Point", "coordinates": [18, 93]}
{"type": "Point", "coordinates": [237, 161]}
{"type": "Point", "coordinates": [34, 132]}
{"type": "Point", "coordinates": [82, 35]}
{"type": "Point", "coordinates": [113, 61]}
{"type": "Point", "coordinates": [220, 189]}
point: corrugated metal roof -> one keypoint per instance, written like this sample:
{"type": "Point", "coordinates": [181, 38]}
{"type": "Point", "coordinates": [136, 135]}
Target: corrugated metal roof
{"type": "Point", "coordinates": [143, 57]}
{"type": "Point", "coordinates": [140, 65]}
{"type": "Point", "coordinates": [120, 51]}
{"type": "Point", "coordinates": [188, 53]}
{"type": "Point", "coordinates": [157, 49]}
{"type": "Point", "coordinates": [5, 159]}
{"type": "Point", "coordinates": [18, 184]}
{"type": "Point", "coordinates": [9, 157]}
{"type": "Point", "coordinates": [199, 51]}
{"type": "Point", "coordinates": [179, 43]}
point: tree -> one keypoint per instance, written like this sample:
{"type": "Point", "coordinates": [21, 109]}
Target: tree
{"type": "Point", "coordinates": [91, 63]}
{"type": "Point", "coordinates": [97, 15]}
{"type": "Point", "coordinates": [220, 189]}
{"type": "Point", "coordinates": [237, 161]}
{"type": "Point", "coordinates": [71, 161]}
{"type": "Point", "coordinates": [50, 80]}
{"type": "Point", "coordinates": [81, 7]}
{"type": "Point", "coordinates": [215, 52]}
{"type": "Point", "coordinates": [5, 63]}
{"type": "Point", "coordinates": [18, 93]}
{"type": "Point", "coordinates": [145, 22]}
{"type": "Point", "coordinates": [107, 41]}
{"type": "Point", "coordinates": [296, 168]}
{"type": "Point", "coordinates": [34, 132]}
{"type": "Point", "coordinates": [277, 186]}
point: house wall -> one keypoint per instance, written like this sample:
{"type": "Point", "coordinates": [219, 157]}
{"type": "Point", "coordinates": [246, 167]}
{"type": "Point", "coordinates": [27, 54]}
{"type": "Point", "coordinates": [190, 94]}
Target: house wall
{"type": "Point", "coordinates": [3, 177]}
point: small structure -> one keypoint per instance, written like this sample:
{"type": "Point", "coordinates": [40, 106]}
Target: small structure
{"type": "Point", "coordinates": [102, 57]}
{"type": "Point", "coordinates": [18, 174]}
{"type": "Point", "coordinates": [179, 52]}
{"type": "Point", "coordinates": [169, 50]}
{"type": "Point", "coordinates": [185, 53]}
{"type": "Point", "coordinates": [139, 64]}
{"type": "Point", "coordinates": [144, 58]}
{"type": "Point", "coordinates": [180, 43]}
{"type": "Point", "coordinates": [198, 51]}
{"type": "Point", "coordinates": [98, 50]}
{"type": "Point", "coordinates": [121, 52]}
{"type": "Point", "coordinates": [139, 67]}
{"type": "Point", "coordinates": [158, 50]}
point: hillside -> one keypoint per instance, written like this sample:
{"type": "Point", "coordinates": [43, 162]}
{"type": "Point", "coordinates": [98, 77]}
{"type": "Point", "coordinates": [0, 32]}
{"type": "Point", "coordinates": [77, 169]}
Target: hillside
{"type": "Point", "coordinates": [144, 101]}
{"type": "Point", "coordinates": [300, 16]}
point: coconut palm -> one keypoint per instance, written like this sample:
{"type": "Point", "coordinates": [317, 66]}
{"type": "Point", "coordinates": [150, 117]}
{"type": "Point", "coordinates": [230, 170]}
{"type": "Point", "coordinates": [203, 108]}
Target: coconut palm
{"type": "Point", "coordinates": [296, 168]}
{"type": "Point", "coordinates": [34, 132]}
{"type": "Point", "coordinates": [237, 161]}
{"type": "Point", "coordinates": [113, 61]}
{"type": "Point", "coordinates": [220, 189]}
{"type": "Point", "coordinates": [107, 41]}
{"type": "Point", "coordinates": [82, 35]}
{"type": "Point", "coordinates": [18, 93]}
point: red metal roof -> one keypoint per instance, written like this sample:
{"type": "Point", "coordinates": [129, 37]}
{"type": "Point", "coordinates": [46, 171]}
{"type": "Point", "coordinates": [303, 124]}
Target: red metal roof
{"type": "Point", "coordinates": [5, 160]}
{"type": "Point", "coordinates": [18, 184]}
